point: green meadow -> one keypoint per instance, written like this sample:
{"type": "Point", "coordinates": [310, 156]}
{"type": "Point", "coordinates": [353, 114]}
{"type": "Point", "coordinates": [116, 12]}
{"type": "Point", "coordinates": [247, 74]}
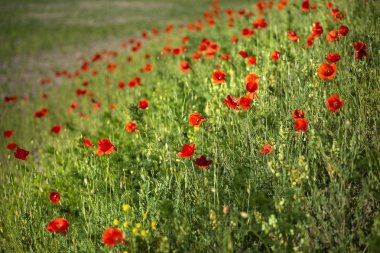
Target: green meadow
{"type": "Point", "coordinates": [74, 73]}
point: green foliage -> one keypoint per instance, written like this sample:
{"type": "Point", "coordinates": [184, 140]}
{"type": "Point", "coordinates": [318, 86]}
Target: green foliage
{"type": "Point", "coordinates": [317, 191]}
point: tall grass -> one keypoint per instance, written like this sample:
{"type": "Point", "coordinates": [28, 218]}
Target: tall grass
{"type": "Point", "coordinates": [317, 191]}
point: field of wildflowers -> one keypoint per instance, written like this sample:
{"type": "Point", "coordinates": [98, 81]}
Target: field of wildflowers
{"type": "Point", "coordinates": [246, 130]}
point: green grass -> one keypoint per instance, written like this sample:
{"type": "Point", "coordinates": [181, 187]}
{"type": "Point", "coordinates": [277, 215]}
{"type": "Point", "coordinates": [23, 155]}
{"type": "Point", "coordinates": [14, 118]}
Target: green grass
{"type": "Point", "coordinates": [315, 192]}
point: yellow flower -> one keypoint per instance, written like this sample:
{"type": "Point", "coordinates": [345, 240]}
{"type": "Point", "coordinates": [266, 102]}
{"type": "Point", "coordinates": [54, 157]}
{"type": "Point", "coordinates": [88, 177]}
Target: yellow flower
{"type": "Point", "coordinates": [125, 224]}
{"type": "Point", "coordinates": [143, 233]}
{"type": "Point", "coordinates": [115, 222]}
{"type": "Point", "coordinates": [138, 225]}
{"type": "Point", "coordinates": [153, 224]}
{"type": "Point", "coordinates": [145, 216]}
{"type": "Point", "coordinates": [125, 251]}
{"type": "Point", "coordinates": [135, 230]}
{"type": "Point", "coordinates": [126, 207]}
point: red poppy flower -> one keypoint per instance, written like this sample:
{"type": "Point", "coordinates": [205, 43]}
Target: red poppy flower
{"type": "Point", "coordinates": [58, 225]}
{"type": "Point", "coordinates": [234, 39]}
{"type": "Point", "coordinates": [243, 54]}
{"type": "Point", "coordinates": [343, 30]}
{"type": "Point", "coordinates": [196, 119]}
{"type": "Point", "coordinates": [148, 68]}
{"type": "Point", "coordinates": [8, 133]}
{"type": "Point", "coordinates": [145, 35]}
{"type": "Point", "coordinates": [251, 95]}
{"type": "Point", "coordinates": [251, 60]}
{"type": "Point", "coordinates": [360, 48]}
{"type": "Point", "coordinates": [82, 115]}
{"type": "Point", "coordinates": [121, 85]}
{"type": "Point", "coordinates": [252, 82]}
{"type": "Point", "coordinates": [266, 149]}
{"type": "Point", "coordinates": [292, 35]}
{"type": "Point", "coordinates": [97, 57]}
{"type": "Point", "coordinates": [229, 12]}
{"type": "Point", "coordinates": [327, 71]}
{"type": "Point", "coordinates": [41, 113]}
{"type": "Point", "coordinates": [185, 66]}
{"type": "Point", "coordinates": [300, 124]}
{"type": "Point", "coordinates": [112, 236]}
{"type": "Point", "coordinates": [202, 163]}
{"type": "Point", "coordinates": [105, 147]}
{"type": "Point", "coordinates": [203, 46]}
{"type": "Point", "coordinates": [56, 129]}
{"type": "Point", "coordinates": [251, 86]}
{"type": "Point", "coordinates": [112, 106]}
{"type": "Point", "coordinates": [55, 197]}
{"type": "Point", "coordinates": [85, 66]}
{"type": "Point", "coordinates": [134, 82]}
{"type": "Point", "coordinates": [332, 57]}
{"type": "Point", "coordinates": [131, 127]}
{"type": "Point", "coordinates": [111, 67]}
{"type": "Point", "coordinates": [305, 5]}
{"type": "Point", "coordinates": [241, 13]}
{"type": "Point", "coordinates": [275, 55]}
{"type": "Point", "coordinates": [252, 78]}
{"type": "Point", "coordinates": [12, 146]}
{"type": "Point", "coordinates": [209, 54]}
{"type": "Point", "coordinates": [80, 92]}
{"type": "Point", "coordinates": [317, 29]}
{"type": "Point", "coordinates": [247, 32]}
{"type": "Point", "coordinates": [143, 104]}
{"type": "Point", "coordinates": [10, 99]}
{"type": "Point", "coordinates": [337, 14]}
{"type": "Point", "coordinates": [232, 103]}
{"type": "Point", "coordinates": [329, 5]}
{"type": "Point", "coordinates": [169, 28]}
{"type": "Point", "coordinates": [245, 103]}
{"type": "Point", "coordinates": [87, 143]}
{"type": "Point", "coordinates": [185, 39]}
{"type": "Point", "coordinates": [45, 81]}
{"type": "Point", "coordinates": [332, 36]}
{"type": "Point", "coordinates": [213, 46]}
{"type": "Point", "coordinates": [282, 4]}
{"type": "Point", "coordinates": [96, 104]}
{"type": "Point", "coordinates": [21, 154]}
{"type": "Point", "coordinates": [334, 103]}
{"type": "Point", "coordinates": [73, 106]}
{"type": "Point", "coordinates": [196, 55]}
{"type": "Point", "coordinates": [360, 45]}
{"type": "Point", "coordinates": [187, 151]}
{"type": "Point", "coordinates": [218, 77]}
{"type": "Point", "coordinates": [225, 57]}
{"type": "Point", "coordinates": [298, 114]}
{"type": "Point", "coordinates": [259, 23]}
{"type": "Point", "coordinates": [177, 51]}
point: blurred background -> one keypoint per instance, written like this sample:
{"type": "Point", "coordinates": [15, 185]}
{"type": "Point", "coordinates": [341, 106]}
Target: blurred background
{"type": "Point", "coordinates": [40, 36]}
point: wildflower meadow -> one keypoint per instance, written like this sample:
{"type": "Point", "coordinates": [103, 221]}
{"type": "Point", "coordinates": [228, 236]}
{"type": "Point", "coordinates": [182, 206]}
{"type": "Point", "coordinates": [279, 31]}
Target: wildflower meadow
{"type": "Point", "coordinates": [250, 127]}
